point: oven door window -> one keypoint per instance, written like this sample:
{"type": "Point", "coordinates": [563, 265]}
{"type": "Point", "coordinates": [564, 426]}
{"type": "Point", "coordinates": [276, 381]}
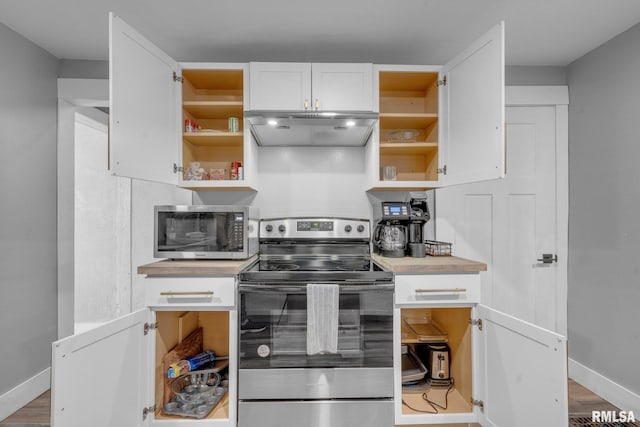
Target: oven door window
{"type": "Point", "coordinates": [273, 329]}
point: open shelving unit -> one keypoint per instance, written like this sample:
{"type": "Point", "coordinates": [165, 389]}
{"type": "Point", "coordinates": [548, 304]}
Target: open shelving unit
{"type": "Point", "coordinates": [455, 321]}
{"type": "Point", "coordinates": [409, 100]}
{"type": "Point", "coordinates": [173, 326]}
{"type": "Point", "coordinates": [210, 97]}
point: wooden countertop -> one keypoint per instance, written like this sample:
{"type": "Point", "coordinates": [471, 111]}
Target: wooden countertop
{"type": "Point", "coordinates": [196, 267]}
{"type": "Point", "coordinates": [407, 265]}
{"type": "Point", "coordinates": [429, 264]}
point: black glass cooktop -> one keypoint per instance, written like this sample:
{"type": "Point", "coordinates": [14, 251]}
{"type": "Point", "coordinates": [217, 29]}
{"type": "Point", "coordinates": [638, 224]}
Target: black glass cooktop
{"type": "Point", "coordinates": [315, 269]}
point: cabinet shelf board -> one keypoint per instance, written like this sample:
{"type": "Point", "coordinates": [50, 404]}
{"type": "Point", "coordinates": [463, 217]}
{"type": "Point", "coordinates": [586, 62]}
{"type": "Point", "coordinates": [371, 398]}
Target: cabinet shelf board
{"type": "Point", "coordinates": [404, 186]}
{"type": "Point", "coordinates": [218, 139]}
{"type": "Point", "coordinates": [407, 80]}
{"type": "Point", "coordinates": [407, 120]}
{"type": "Point", "coordinates": [213, 109]}
{"type": "Point", "coordinates": [407, 147]}
{"type": "Point", "coordinates": [221, 185]}
{"type": "Point", "coordinates": [456, 402]}
{"type": "Point", "coordinates": [214, 79]}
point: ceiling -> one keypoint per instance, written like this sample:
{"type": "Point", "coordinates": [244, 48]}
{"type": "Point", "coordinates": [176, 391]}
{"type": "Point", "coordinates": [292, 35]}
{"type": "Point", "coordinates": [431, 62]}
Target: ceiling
{"type": "Point", "coordinates": [538, 32]}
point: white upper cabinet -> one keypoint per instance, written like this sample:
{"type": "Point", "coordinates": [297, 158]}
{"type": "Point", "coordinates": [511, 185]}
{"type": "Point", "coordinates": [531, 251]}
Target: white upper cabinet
{"type": "Point", "coordinates": [288, 86]}
{"type": "Point", "coordinates": [342, 87]}
{"type": "Point", "coordinates": [170, 121]}
{"type": "Point", "coordinates": [473, 101]}
{"type": "Point", "coordinates": [144, 124]}
{"type": "Point", "coordinates": [441, 125]}
{"type": "Point", "coordinates": [279, 86]}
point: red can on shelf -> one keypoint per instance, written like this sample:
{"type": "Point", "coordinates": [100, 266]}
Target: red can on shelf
{"type": "Point", "coordinates": [234, 170]}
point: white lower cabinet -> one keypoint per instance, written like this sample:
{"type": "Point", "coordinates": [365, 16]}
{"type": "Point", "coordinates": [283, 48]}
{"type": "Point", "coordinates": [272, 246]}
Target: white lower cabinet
{"type": "Point", "coordinates": [114, 375]}
{"type": "Point", "coordinates": [506, 372]}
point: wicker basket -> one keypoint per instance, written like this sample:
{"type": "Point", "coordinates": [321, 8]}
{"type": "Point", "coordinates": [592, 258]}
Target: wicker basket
{"type": "Point", "coordinates": [435, 248]}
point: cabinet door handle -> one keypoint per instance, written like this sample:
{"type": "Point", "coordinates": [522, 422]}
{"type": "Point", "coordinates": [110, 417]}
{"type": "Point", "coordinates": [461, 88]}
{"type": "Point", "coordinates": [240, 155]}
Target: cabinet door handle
{"type": "Point", "coordinates": [448, 291]}
{"type": "Point", "coordinates": [185, 293]}
{"type": "Point", "coordinates": [317, 105]}
{"type": "Point", "coordinates": [548, 258]}
{"type": "Point", "coordinates": [306, 104]}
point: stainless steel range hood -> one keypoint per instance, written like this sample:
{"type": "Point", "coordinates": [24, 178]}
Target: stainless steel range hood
{"type": "Point", "coordinates": [317, 129]}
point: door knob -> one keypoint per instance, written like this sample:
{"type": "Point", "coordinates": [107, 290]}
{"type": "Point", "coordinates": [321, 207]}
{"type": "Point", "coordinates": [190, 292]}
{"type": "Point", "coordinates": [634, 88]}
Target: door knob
{"type": "Point", "coordinates": [548, 258]}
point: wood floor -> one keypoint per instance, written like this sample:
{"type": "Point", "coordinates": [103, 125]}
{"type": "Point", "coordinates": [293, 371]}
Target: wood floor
{"type": "Point", "coordinates": [37, 413]}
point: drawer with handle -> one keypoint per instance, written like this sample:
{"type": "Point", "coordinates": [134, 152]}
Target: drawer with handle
{"type": "Point", "coordinates": [437, 289]}
{"type": "Point", "coordinates": [170, 292]}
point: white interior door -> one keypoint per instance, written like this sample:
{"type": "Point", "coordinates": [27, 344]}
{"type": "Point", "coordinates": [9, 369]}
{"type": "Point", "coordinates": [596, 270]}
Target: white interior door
{"type": "Point", "coordinates": [100, 378]}
{"type": "Point", "coordinates": [510, 223]}
{"type": "Point", "coordinates": [144, 122]}
{"type": "Point", "coordinates": [473, 110]}
{"type": "Point", "coordinates": [524, 373]}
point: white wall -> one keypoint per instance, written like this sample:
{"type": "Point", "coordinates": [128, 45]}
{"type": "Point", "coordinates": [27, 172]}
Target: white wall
{"type": "Point", "coordinates": [305, 181]}
{"type": "Point", "coordinates": [101, 236]}
{"type": "Point", "coordinates": [604, 201]}
{"type": "Point", "coordinates": [144, 196]}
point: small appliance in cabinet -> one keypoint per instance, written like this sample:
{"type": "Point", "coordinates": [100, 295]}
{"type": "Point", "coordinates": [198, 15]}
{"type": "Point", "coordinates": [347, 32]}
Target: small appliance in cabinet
{"type": "Point", "coordinates": [491, 358]}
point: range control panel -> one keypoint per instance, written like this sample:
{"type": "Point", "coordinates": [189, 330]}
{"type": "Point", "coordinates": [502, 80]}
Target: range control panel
{"type": "Point", "coordinates": [315, 225]}
{"type": "Point", "coordinates": [315, 228]}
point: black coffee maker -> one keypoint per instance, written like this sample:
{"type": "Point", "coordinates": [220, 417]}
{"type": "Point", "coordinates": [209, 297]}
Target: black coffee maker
{"type": "Point", "coordinates": [390, 235]}
{"type": "Point", "coordinates": [418, 217]}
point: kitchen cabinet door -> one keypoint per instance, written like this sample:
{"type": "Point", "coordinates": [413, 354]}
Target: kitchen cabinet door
{"type": "Point", "coordinates": [522, 372]}
{"type": "Point", "coordinates": [473, 112]}
{"type": "Point", "coordinates": [283, 86]}
{"type": "Point", "coordinates": [144, 122]}
{"type": "Point", "coordinates": [342, 87]}
{"type": "Point", "coordinates": [289, 86]}
{"type": "Point", "coordinates": [101, 377]}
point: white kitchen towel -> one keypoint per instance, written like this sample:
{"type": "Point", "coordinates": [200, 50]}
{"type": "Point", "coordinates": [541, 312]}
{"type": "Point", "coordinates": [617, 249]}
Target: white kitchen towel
{"type": "Point", "coordinates": [322, 318]}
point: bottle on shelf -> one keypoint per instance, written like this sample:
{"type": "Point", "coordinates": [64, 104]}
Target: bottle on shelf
{"type": "Point", "coordinates": [190, 364]}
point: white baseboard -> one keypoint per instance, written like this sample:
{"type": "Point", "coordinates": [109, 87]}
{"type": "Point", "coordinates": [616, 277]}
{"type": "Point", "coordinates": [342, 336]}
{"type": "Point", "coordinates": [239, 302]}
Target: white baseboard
{"type": "Point", "coordinates": [24, 393]}
{"type": "Point", "coordinates": [614, 393]}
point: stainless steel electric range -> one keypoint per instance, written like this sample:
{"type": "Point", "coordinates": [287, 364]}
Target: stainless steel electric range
{"type": "Point", "coordinates": [316, 328]}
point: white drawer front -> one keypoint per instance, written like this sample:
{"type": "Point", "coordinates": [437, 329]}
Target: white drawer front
{"type": "Point", "coordinates": [190, 292]}
{"type": "Point", "coordinates": [437, 289]}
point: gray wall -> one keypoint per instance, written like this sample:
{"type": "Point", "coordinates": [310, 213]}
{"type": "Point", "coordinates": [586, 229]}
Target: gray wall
{"type": "Point", "coordinates": [28, 103]}
{"type": "Point", "coordinates": [535, 76]}
{"type": "Point", "coordinates": [83, 69]}
{"type": "Point", "coordinates": [604, 201]}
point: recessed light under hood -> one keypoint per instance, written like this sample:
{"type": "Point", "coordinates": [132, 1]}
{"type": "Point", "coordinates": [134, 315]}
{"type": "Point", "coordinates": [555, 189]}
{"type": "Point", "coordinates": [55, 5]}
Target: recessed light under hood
{"type": "Point", "coordinates": [318, 129]}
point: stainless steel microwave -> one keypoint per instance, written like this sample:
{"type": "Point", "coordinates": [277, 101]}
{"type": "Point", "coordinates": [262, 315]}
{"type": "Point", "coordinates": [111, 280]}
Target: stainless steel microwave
{"type": "Point", "coordinates": [205, 232]}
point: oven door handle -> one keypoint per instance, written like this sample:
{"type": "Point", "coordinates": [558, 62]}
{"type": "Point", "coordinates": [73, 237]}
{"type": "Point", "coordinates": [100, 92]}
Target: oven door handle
{"type": "Point", "coordinates": [250, 287]}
